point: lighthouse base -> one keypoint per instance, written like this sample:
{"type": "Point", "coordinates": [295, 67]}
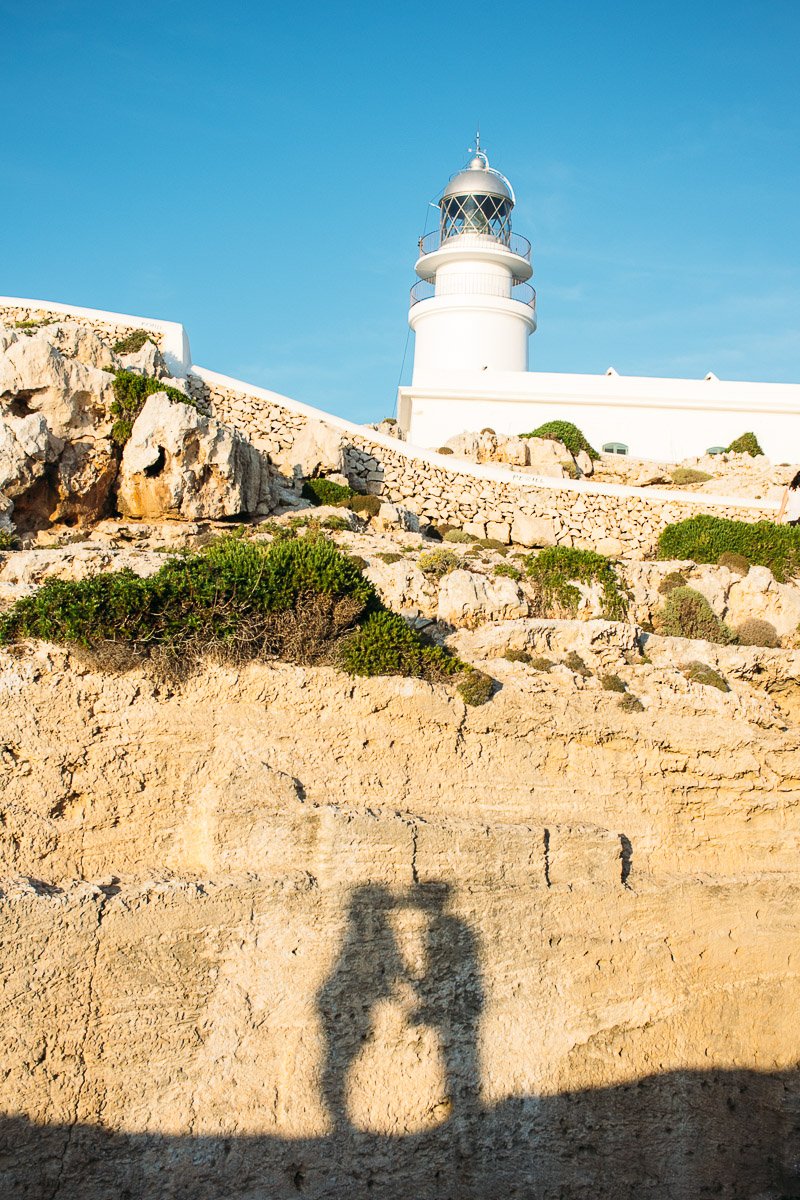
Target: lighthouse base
{"type": "Point", "coordinates": [661, 419]}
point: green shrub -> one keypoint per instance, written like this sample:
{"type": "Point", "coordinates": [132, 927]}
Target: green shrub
{"type": "Point", "coordinates": [386, 645]}
{"type": "Point", "coordinates": [507, 570]}
{"type": "Point", "coordinates": [132, 342]}
{"type": "Point", "coordinates": [438, 562]}
{"type": "Point", "coordinates": [542, 664]}
{"type": "Point", "coordinates": [755, 632]}
{"type": "Point", "coordinates": [9, 540]}
{"type": "Point", "coordinates": [576, 664]}
{"type": "Point", "coordinates": [365, 506]}
{"type": "Point", "coordinates": [630, 703]}
{"type": "Point", "coordinates": [705, 538]}
{"type": "Point", "coordinates": [698, 672]}
{"type": "Point", "coordinates": [685, 475]}
{"type": "Point", "coordinates": [734, 562]}
{"type": "Point", "coordinates": [458, 535]}
{"type": "Point", "coordinates": [32, 326]}
{"type": "Point", "coordinates": [302, 600]}
{"type": "Point", "coordinates": [670, 582]}
{"type": "Point", "coordinates": [492, 544]}
{"type": "Point", "coordinates": [389, 558]}
{"type": "Point", "coordinates": [517, 655]}
{"type": "Point", "coordinates": [130, 395]}
{"type": "Point", "coordinates": [489, 430]}
{"type": "Point", "coordinates": [611, 683]}
{"type": "Point", "coordinates": [325, 491]}
{"type": "Point", "coordinates": [566, 432]}
{"type": "Point", "coordinates": [388, 421]}
{"type": "Point", "coordinates": [336, 523]}
{"type": "Point", "coordinates": [555, 571]}
{"type": "Point", "coordinates": [687, 614]}
{"type": "Point", "coordinates": [476, 688]}
{"type": "Point", "coordinates": [358, 561]}
{"type": "Point", "coordinates": [444, 450]}
{"type": "Point", "coordinates": [746, 444]}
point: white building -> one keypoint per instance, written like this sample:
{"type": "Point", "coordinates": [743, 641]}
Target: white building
{"type": "Point", "coordinates": [472, 313]}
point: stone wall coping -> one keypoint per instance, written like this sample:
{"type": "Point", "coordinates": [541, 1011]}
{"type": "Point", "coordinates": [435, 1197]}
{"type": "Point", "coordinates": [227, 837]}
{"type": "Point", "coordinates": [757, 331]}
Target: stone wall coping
{"type": "Point", "coordinates": [174, 344]}
{"type": "Point", "coordinates": [491, 472]}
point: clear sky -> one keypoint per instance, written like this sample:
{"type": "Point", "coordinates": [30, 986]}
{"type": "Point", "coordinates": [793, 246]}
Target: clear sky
{"type": "Point", "coordinates": [261, 172]}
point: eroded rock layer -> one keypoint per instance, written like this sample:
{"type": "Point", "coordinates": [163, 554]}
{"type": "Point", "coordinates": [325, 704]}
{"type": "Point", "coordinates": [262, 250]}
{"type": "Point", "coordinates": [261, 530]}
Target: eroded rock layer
{"type": "Point", "coordinates": [284, 933]}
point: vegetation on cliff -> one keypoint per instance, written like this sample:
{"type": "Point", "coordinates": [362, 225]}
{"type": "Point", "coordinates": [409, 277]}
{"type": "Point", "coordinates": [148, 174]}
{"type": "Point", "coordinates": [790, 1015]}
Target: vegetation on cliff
{"type": "Point", "coordinates": [568, 434]}
{"type": "Point", "coordinates": [556, 572]}
{"type": "Point", "coordinates": [704, 539]}
{"type": "Point", "coordinates": [301, 600]}
{"type": "Point", "coordinates": [130, 394]}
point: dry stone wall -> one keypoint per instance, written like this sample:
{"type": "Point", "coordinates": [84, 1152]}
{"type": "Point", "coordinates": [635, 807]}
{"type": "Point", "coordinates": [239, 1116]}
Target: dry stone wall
{"type": "Point", "coordinates": [601, 517]}
{"type": "Point", "coordinates": [107, 332]}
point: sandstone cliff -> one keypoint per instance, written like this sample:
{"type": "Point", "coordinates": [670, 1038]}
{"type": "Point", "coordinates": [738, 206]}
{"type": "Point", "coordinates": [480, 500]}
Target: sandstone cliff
{"type": "Point", "coordinates": [284, 933]}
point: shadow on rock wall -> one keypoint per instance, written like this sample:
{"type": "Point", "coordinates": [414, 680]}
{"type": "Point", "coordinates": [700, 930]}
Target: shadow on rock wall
{"type": "Point", "coordinates": [674, 1136]}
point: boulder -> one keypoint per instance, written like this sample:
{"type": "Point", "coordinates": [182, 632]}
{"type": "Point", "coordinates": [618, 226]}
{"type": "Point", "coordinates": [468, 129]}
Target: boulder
{"type": "Point", "coordinates": [402, 586]}
{"type": "Point", "coordinates": [26, 447]}
{"type": "Point", "coordinates": [36, 377]}
{"type": "Point", "coordinates": [318, 449]}
{"type": "Point", "coordinates": [179, 463]}
{"type": "Point", "coordinates": [499, 531]}
{"type": "Point", "coordinates": [532, 531]}
{"type": "Point", "coordinates": [146, 361]}
{"type": "Point", "coordinates": [512, 450]}
{"type": "Point", "coordinates": [467, 600]}
{"type": "Point", "coordinates": [760, 595]}
{"type": "Point", "coordinates": [390, 516]}
{"type": "Point", "coordinates": [585, 464]}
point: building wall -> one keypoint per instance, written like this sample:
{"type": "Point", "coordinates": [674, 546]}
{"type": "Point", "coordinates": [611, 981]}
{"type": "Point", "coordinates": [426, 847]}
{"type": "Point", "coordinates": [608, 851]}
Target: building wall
{"type": "Point", "coordinates": [661, 419]}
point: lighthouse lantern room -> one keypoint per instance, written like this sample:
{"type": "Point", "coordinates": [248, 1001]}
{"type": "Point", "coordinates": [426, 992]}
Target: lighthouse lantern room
{"type": "Point", "coordinates": [473, 308]}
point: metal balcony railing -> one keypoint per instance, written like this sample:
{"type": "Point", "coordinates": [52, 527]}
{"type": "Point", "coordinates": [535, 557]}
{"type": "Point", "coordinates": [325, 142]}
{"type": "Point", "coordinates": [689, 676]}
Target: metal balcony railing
{"type": "Point", "coordinates": [474, 285]}
{"type": "Point", "coordinates": [515, 243]}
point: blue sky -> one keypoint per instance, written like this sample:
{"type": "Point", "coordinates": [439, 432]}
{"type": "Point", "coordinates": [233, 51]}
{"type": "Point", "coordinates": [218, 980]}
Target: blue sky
{"type": "Point", "coordinates": [262, 172]}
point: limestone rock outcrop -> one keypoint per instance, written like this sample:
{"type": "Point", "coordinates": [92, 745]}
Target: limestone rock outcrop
{"type": "Point", "coordinates": [467, 599]}
{"type": "Point", "coordinates": [179, 463]}
{"type": "Point", "coordinates": [287, 932]}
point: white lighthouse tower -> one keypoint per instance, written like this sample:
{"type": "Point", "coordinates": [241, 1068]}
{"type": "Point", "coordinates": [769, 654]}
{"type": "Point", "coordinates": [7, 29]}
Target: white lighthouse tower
{"type": "Point", "coordinates": [473, 308]}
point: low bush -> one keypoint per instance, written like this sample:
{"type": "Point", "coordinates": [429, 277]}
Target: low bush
{"type": "Point", "coordinates": [611, 683]}
{"type": "Point", "coordinates": [365, 506]}
{"type": "Point", "coordinates": [555, 571]}
{"type": "Point", "coordinates": [489, 430]}
{"type": "Point", "coordinates": [386, 645]}
{"type": "Point", "coordinates": [686, 475]}
{"type": "Point", "coordinates": [300, 600]}
{"type": "Point", "coordinates": [438, 562]}
{"type": "Point", "coordinates": [325, 491]}
{"type": "Point", "coordinates": [336, 523]}
{"type": "Point", "coordinates": [358, 561]}
{"type": "Point", "coordinates": [388, 421]}
{"type": "Point", "coordinates": [734, 562]}
{"type": "Point", "coordinates": [517, 655]}
{"type": "Point", "coordinates": [476, 688]}
{"type": "Point", "coordinates": [755, 632]}
{"type": "Point", "coordinates": [443, 527]}
{"type": "Point", "coordinates": [542, 664]}
{"type": "Point", "coordinates": [132, 342]}
{"type": "Point", "coordinates": [507, 570]}
{"type": "Point", "coordinates": [576, 664]}
{"type": "Point", "coordinates": [630, 703]}
{"type": "Point", "coordinates": [746, 444]}
{"type": "Point", "coordinates": [705, 539]}
{"type": "Point", "coordinates": [687, 614]}
{"type": "Point", "coordinates": [459, 535]}
{"type": "Point", "coordinates": [571, 469]}
{"type": "Point", "coordinates": [566, 432]}
{"type": "Point", "coordinates": [389, 557]}
{"type": "Point", "coordinates": [445, 450]}
{"type": "Point", "coordinates": [9, 540]}
{"type": "Point", "coordinates": [130, 395]}
{"type": "Point", "coordinates": [670, 582]}
{"type": "Point", "coordinates": [698, 672]}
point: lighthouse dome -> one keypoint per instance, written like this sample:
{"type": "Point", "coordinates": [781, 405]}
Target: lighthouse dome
{"type": "Point", "coordinates": [478, 178]}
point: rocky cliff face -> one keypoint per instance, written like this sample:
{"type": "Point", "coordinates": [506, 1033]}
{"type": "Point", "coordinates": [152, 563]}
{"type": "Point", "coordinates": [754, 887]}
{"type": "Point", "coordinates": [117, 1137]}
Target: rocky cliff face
{"type": "Point", "coordinates": [281, 933]}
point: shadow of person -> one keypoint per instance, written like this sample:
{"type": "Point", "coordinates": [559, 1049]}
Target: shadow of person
{"type": "Point", "coordinates": [451, 1000]}
{"type": "Point", "coordinates": [369, 969]}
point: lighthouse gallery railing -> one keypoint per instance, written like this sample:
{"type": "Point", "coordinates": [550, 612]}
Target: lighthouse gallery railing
{"type": "Point", "coordinates": [515, 243]}
{"type": "Point", "coordinates": [474, 285]}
